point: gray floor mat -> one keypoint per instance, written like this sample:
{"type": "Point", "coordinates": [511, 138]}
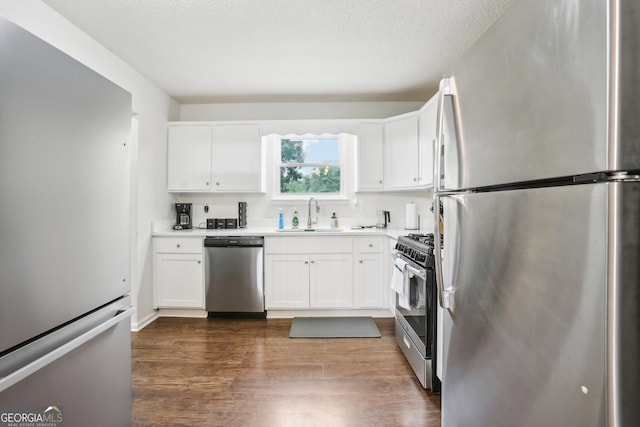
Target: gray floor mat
{"type": "Point", "coordinates": [334, 327]}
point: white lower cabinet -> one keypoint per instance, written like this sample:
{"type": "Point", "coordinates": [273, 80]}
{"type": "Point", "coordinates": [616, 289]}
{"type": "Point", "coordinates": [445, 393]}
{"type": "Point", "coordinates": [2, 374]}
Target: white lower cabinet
{"type": "Point", "coordinates": [331, 281]}
{"type": "Point", "coordinates": [287, 281]}
{"type": "Point", "coordinates": [324, 272]}
{"type": "Point", "coordinates": [178, 273]}
{"type": "Point", "coordinates": [368, 281]}
{"type": "Point", "coordinates": [369, 273]}
{"type": "Point", "coordinates": [315, 272]}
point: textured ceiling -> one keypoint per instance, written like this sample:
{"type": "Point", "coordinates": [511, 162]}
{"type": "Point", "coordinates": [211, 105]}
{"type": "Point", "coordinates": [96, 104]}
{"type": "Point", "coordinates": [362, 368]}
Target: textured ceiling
{"type": "Point", "coordinates": [287, 50]}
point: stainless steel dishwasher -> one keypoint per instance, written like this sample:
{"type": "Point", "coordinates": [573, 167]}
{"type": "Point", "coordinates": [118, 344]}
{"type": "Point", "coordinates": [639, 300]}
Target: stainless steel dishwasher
{"type": "Point", "coordinates": [234, 283]}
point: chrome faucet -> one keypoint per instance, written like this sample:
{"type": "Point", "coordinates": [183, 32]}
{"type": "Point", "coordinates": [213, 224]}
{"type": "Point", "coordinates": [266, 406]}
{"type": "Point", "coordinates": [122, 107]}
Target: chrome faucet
{"type": "Point", "coordinates": [309, 222]}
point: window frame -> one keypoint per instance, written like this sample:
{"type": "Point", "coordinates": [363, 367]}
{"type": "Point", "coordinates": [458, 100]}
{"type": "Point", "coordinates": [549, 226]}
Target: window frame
{"type": "Point", "coordinates": [342, 164]}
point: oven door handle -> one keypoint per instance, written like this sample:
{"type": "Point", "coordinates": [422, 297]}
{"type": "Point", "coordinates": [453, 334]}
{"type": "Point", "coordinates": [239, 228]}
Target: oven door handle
{"type": "Point", "coordinates": [411, 269]}
{"type": "Point", "coordinates": [421, 274]}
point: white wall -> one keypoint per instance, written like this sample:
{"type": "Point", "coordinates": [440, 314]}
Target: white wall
{"type": "Point", "coordinates": [153, 108]}
{"type": "Point", "coordinates": [361, 210]}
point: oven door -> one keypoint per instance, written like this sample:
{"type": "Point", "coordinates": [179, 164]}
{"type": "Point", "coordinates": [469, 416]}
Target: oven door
{"type": "Point", "coordinates": [415, 318]}
{"type": "Point", "coordinates": [415, 328]}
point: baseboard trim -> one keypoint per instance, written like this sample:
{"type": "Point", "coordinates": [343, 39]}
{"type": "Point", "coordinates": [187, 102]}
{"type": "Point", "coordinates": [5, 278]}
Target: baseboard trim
{"type": "Point", "coordinates": [141, 324]}
{"type": "Point", "coordinates": [182, 312]}
{"type": "Point", "coordinates": [286, 314]}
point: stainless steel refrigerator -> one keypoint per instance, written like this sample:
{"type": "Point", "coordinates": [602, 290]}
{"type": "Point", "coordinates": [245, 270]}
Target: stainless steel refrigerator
{"type": "Point", "coordinates": [538, 176]}
{"type": "Point", "coordinates": [65, 354]}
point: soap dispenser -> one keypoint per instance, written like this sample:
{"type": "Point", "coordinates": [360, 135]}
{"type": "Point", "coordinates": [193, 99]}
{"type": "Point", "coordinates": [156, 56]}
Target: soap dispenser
{"type": "Point", "coordinates": [295, 221]}
{"type": "Point", "coordinates": [334, 221]}
{"type": "Point", "coordinates": [280, 219]}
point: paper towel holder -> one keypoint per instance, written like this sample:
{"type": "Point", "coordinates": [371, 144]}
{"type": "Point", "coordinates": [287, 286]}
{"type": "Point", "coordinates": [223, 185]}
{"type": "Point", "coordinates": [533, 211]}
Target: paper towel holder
{"type": "Point", "coordinates": [412, 219]}
{"type": "Point", "coordinates": [417, 227]}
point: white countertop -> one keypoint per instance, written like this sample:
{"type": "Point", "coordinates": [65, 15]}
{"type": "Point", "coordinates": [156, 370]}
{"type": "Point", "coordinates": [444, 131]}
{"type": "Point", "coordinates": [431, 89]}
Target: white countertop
{"type": "Point", "coordinates": [270, 231]}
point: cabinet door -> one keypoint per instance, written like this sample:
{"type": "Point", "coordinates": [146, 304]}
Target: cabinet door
{"type": "Point", "coordinates": [401, 153]}
{"type": "Point", "coordinates": [331, 281]}
{"type": "Point", "coordinates": [286, 281]}
{"type": "Point", "coordinates": [427, 132]}
{"type": "Point", "coordinates": [369, 283]}
{"type": "Point", "coordinates": [237, 158]}
{"type": "Point", "coordinates": [370, 156]}
{"type": "Point", "coordinates": [178, 281]}
{"type": "Point", "coordinates": [189, 158]}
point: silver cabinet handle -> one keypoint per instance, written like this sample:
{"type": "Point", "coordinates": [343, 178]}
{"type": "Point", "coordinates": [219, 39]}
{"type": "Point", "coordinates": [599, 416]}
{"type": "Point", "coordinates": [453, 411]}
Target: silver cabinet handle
{"type": "Point", "coordinates": [370, 245]}
{"type": "Point", "coordinates": [199, 262]}
{"type": "Point", "coordinates": [178, 245]}
{"type": "Point", "coordinates": [207, 183]}
{"type": "Point", "coordinates": [313, 262]}
{"type": "Point", "coordinates": [361, 261]}
{"type": "Point", "coordinates": [306, 262]}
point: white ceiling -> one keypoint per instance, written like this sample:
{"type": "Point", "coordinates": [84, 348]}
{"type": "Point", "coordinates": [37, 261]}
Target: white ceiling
{"type": "Point", "coordinates": [202, 51]}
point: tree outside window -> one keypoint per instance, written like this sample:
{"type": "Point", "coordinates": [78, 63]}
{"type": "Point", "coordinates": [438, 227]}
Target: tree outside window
{"type": "Point", "coordinates": [310, 166]}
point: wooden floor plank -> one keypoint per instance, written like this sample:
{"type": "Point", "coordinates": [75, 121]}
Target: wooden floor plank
{"type": "Point", "coordinates": [237, 372]}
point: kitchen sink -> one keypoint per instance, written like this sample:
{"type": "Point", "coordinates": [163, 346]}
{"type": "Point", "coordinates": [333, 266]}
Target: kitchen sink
{"type": "Point", "coordinates": [309, 230]}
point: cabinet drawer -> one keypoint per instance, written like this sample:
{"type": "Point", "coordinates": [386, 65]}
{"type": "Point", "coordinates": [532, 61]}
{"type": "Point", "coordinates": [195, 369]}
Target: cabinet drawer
{"type": "Point", "coordinates": [178, 245]}
{"type": "Point", "coordinates": [309, 245]}
{"type": "Point", "coordinates": [370, 244]}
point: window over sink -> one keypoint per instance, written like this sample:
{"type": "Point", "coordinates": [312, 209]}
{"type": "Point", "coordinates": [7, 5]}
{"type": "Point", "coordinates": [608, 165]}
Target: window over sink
{"type": "Point", "coordinates": [310, 165]}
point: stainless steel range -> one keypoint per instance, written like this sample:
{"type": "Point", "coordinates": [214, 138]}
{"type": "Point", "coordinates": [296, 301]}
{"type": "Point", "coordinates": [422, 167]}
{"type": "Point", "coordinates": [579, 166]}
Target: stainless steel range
{"type": "Point", "coordinates": [417, 306]}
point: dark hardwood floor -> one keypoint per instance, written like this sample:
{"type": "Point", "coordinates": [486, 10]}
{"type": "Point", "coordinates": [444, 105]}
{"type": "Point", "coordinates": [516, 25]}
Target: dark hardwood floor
{"type": "Point", "coordinates": [233, 372]}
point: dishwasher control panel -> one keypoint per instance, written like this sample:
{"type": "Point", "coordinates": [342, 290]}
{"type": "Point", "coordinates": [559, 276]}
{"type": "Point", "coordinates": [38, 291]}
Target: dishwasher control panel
{"type": "Point", "coordinates": [227, 241]}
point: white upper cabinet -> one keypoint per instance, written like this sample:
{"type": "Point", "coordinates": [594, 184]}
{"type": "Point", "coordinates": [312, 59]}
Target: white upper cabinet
{"type": "Point", "coordinates": [370, 156]}
{"type": "Point", "coordinates": [397, 152]}
{"type": "Point", "coordinates": [225, 158]}
{"type": "Point", "coordinates": [237, 158]}
{"type": "Point", "coordinates": [189, 158]}
{"type": "Point", "coordinates": [427, 136]}
{"type": "Point", "coordinates": [401, 152]}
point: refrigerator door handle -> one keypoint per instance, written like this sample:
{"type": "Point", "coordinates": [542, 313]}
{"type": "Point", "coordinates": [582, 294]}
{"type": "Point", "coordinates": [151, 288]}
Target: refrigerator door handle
{"type": "Point", "coordinates": [445, 296]}
{"type": "Point", "coordinates": [437, 158]}
{"type": "Point", "coordinates": [50, 357]}
{"type": "Point", "coordinates": [447, 88]}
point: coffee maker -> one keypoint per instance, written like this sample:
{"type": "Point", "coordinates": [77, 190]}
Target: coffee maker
{"type": "Point", "coordinates": [183, 216]}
